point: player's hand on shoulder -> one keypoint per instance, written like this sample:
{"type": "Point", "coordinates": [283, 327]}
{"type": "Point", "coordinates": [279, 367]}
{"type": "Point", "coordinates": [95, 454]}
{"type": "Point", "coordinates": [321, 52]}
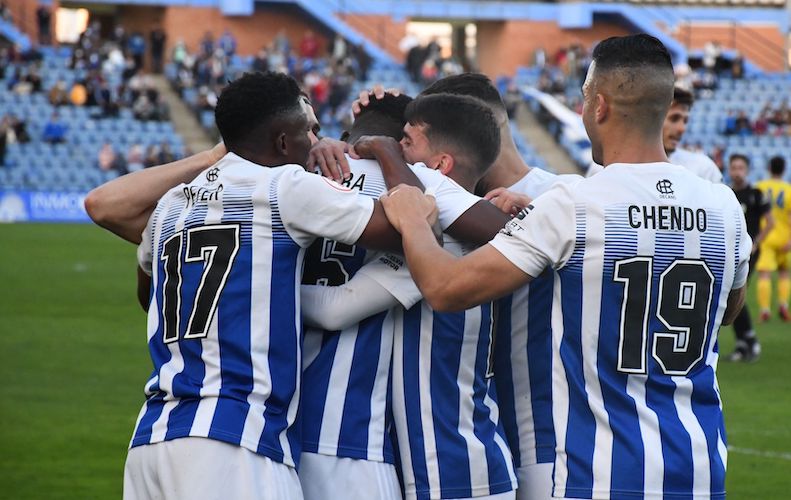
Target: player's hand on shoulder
{"type": "Point", "coordinates": [329, 155]}
{"type": "Point", "coordinates": [509, 202]}
{"type": "Point", "coordinates": [368, 146]}
{"type": "Point", "coordinates": [364, 99]}
{"type": "Point", "coordinates": [407, 204]}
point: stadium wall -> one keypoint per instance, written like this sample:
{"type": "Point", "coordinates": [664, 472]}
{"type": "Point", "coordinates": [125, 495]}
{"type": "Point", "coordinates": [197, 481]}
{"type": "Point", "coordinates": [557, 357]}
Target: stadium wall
{"type": "Point", "coordinates": [251, 32]}
{"type": "Point", "coordinates": [758, 42]}
{"type": "Point", "coordinates": [383, 30]}
{"type": "Point", "coordinates": [504, 46]}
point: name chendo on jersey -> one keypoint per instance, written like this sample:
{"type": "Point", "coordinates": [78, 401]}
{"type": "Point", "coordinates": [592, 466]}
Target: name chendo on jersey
{"type": "Point", "coordinates": [667, 218]}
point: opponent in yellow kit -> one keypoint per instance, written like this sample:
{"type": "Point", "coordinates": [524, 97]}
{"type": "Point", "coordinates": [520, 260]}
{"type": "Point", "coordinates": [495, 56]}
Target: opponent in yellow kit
{"type": "Point", "coordinates": [774, 250]}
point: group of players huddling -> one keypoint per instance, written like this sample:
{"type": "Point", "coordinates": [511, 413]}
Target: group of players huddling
{"type": "Point", "coordinates": [454, 346]}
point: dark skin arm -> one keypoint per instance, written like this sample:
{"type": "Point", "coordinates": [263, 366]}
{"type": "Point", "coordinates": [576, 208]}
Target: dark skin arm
{"type": "Point", "coordinates": [379, 234]}
{"type": "Point", "coordinates": [735, 304]}
{"type": "Point", "coordinates": [143, 288]}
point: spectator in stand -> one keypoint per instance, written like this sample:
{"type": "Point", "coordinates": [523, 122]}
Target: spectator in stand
{"type": "Point", "coordinates": [58, 96]}
{"type": "Point", "coordinates": [152, 156]}
{"type": "Point", "coordinates": [261, 60]}
{"type": "Point", "coordinates": [156, 41]}
{"type": "Point", "coordinates": [108, 159]}
{"type": "Point", "coordinates": [179, 53]}
{"type": "Point", "coordinates": [165, 155]}
{"type": "Point", "coordinates": [737, 66]}
{"type": "Point", "coordinates": [143, 109]}
{"type": "Point", "coordinates": [54, 130]}
{"type": "Point", "coordinates": [730, 123]}
{"type": "Point", "coordinates": [5, 12]}
{"type": "Point", "coordinates": [34, 79]}
{"type": "Point", "coordinates": [743, 125]}
{"type": "Point", "coordinates": [217, 67]}
{"type": "Point", "coordinates": [207, 44]}
{"type": "Point", "coordinates": [19, 128]}
{"type": "Point", "coordinates": [761, 125]}
{"type": "Point", "coordinates": [135, 160]}
{"type": "Point", "coordinates": [309, 46]}
{"type": "Point", "coordinates": [137, 48]}
{"type": "Point", "coordinates": [281, 42]}
{"type": "Point", "coordinates": [106, 100]}
{"type": "Point", "coordinates": [44, 21]}
{"type": "Point", "coordinates": [78, 95]}
{"type": "Point", "coordinates": [227, 43]}
{"type": "Point", "coordinates": [339, 48]}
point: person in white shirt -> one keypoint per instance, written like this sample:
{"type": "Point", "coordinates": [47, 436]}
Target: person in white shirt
{"type": "Point", "coordinates": [649, 261]}
{"type": "Point", "coordinates": [673, 130]}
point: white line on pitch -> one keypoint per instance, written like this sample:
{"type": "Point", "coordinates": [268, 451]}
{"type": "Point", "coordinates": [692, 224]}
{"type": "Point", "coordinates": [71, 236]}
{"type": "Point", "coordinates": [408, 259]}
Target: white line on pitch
{"type": "Point", "coordinates": [760, 453]}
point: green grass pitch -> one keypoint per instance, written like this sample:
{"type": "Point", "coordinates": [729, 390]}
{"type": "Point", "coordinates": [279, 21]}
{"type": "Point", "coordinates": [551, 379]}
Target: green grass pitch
{"type": "Point", "coordinates": [73, 361]}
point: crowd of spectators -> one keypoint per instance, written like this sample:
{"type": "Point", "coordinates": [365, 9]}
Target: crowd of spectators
{"type": "Point", "coordinates": [108, 76]}
{"type": "Point", "coordinates": [136, 158]}
{"type": "Point", "coordinates": [561, 74]}
{"type": "Point", "coordinates": [326, 74]}
{"type": "Point", "coordinates": [773, 119]}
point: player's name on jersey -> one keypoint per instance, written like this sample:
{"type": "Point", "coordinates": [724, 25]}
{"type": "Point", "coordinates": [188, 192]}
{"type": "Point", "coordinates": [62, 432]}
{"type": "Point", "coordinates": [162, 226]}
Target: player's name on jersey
{"type": "Point", "coordinates": [353, 182]}
{"type": "Point", "coordinates": [667, 218]}
{"type": "Point", "coordinates": [196, 194]}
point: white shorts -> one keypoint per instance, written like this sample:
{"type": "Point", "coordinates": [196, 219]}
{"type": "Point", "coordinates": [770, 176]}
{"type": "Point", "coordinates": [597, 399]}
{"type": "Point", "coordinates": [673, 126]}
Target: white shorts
{"type": "Point", "coordinates": [326, 476]}
{"type": "Point", "coordinates": [199, 468]}
{"type": "Point", "coordinates": [535, 482]}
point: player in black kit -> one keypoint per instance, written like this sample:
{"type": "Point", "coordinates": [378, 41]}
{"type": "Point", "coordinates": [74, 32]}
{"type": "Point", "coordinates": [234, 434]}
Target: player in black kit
{"type": "Point", "coordinates": [756, 207]}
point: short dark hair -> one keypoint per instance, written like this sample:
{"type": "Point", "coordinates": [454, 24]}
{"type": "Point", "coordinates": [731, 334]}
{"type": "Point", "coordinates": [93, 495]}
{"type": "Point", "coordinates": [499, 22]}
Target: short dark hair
{"type": "Point", "coordinates": [471, 84]}
{"type": "Point", "coordinates": [463, 123]}
{"type": "Point", "coordinates": [252, 101]}
{"type": "Point", "coordinates": [777, 165]}
{"type": "Point", "coordinates": [383, 116]}
{"type": "Point", "coordinates": [638, 73]}
{"type": "Point", "coordinates": [631, 51]}
{"type": "Point", "coordinates": [683, 97]}
{"type": "Point", "coordinates": [739, 156]}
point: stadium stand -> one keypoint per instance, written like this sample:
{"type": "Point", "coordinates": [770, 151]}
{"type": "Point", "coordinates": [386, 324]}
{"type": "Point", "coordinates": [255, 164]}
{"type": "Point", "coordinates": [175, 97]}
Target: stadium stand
{"type": "Point", "coordinates": [71, 165]}
{"type": "Point", "coordinates": [200, 94]}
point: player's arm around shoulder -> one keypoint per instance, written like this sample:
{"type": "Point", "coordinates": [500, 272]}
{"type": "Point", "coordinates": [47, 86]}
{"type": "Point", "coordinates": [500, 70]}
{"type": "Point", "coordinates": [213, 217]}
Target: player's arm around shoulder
{"type": "Point", "coordinates": [447, 283]}
{"type": "Point", "coordinates": [124, 205]}
{"type": "Point", "coordinates": [314, 206]}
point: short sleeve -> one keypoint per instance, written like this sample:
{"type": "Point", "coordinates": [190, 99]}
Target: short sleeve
{"type": "Point", "coordinates": [391, 273]}
{"type": "Point", "coordinates": [145, 249]}
{"type": "Point", "coordinates": [542, 235]}
{"type": "Point", "coordinates": [452, 199]}
{"type": "Point", "coordinates": [313, 206]}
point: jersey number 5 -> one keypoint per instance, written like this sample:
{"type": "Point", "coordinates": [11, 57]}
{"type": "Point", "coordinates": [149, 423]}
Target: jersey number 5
{"type": "Point", "coordinates": [683, 305]}
{"type": "Point", "coordinates": [216, 246]}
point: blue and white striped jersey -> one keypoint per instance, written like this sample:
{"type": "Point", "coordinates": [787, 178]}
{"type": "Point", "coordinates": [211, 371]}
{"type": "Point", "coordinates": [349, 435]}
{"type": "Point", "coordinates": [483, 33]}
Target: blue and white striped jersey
{"type": "Point", "coordinates": [644, 258]}
{"type": "Point", "coordinates": [450, 439]}
{"type": "Point", "coordinates": [225, 255]}
{"type": "Point", "coordinates": [346, 391]}
{"type": "Point", "coordinates": [523, 353]}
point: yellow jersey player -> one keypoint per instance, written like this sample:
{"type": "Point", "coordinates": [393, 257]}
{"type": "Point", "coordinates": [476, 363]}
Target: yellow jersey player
{"type": "Point", "coordinates": [774, 251]}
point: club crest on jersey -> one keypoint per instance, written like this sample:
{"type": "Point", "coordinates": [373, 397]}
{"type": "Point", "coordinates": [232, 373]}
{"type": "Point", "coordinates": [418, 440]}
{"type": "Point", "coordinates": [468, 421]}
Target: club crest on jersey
{"type": "Point", "coordinates": [665, 189]}
{"type": "Point", "coordinates": [213, 174]}
{"type": "Point", "coordinates": [335, 185]}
